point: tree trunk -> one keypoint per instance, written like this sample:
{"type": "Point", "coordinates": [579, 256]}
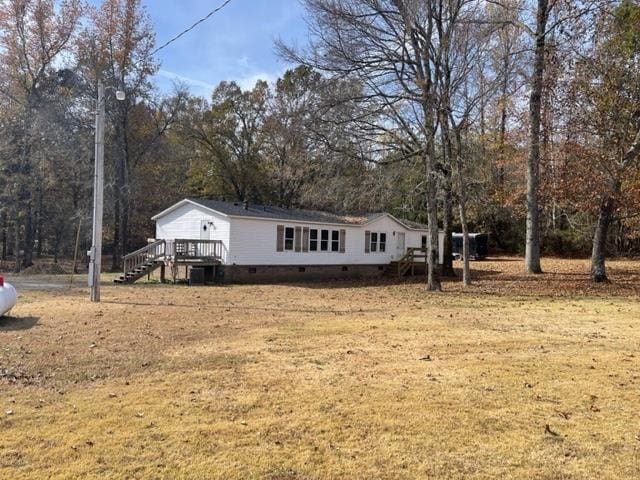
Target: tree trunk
{"type": "Point", "coordinates": [503, 126]}
{"type": "Point", "coordinates": [23, 214]}
{"type": "Point", "coordinates": [433, 282]}
{"type": "Point", "coordinates": [466, 270]}
{"type": "Point", "coordinates": [27, 260]}
{"type": "Point", "coordinates": [40, 217]}
{"type": "Point", "coordinates": [4, 236]}
{"type": "Point", "coordinates": [532, 247]}
{"type": "Point", "coordinates": [446, 269]}
{"type": "Point", "coordinates": [447, 228]}
{"type": "Point", "coordinates": [115, 257]}
{"type": "Point", "coordinates": [458, 173]}
{"type": "Point", "coordinates": [124, 226]}
{"type": "Point", "coordinates": [605, 217]}
{"type": "Point", "coordinates": [121, 197]}
{"type": "Point", "coordinates": [17, 242]}
{"type": "Point", "coordinates": [598, 252]}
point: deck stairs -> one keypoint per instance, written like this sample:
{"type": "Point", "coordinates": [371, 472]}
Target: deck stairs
{"type": "Point", "coordinates": [139, 272]}
{"type": "Point", "coordinates": [142, 262]}
{"type": "Point", "coordinates": [172, 254]}
{"type": "Point", "coordinates": [414, 262]}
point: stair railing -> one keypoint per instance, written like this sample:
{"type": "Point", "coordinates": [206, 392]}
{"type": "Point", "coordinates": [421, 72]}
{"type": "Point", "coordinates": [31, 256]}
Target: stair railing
{"type": "Point", "coordinates": [408, 261]}
{"type": "Point", "coordinates": [151, 252]}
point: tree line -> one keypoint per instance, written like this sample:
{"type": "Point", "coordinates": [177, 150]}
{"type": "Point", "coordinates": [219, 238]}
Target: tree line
{"type": "Point", "coordinates": [516, 117]}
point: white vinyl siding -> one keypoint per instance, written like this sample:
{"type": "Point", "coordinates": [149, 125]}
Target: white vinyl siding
{"type": "Point", "coordinates": [253, 242]}
{"type": "Point", "coordinates": [250, 241]}
{"type": "Point", "coordinates": [186, 222]}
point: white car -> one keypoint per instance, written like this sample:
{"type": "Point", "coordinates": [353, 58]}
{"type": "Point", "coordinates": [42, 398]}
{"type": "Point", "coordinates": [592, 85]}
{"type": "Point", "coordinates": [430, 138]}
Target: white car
{"type": "Point", "coordinates": [8, 297]}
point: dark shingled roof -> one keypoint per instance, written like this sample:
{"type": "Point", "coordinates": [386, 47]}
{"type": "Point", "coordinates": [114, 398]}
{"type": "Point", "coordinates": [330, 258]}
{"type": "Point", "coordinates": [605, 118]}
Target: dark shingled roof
{"type": "Point", "coordinates": [411, 224]}
{"type": "Point", "coordinates": [238, 209]}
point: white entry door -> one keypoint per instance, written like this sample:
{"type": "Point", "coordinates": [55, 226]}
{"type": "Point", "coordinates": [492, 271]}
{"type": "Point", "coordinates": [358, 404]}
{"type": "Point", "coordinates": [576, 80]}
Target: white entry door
{"type": "Point", "coordinates": [205, 230]}
{"type": "Point", "coordinates": [400, 250]}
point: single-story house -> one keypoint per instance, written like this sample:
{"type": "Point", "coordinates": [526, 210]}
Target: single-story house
{"type": "Point", "coordinates": [258, 241]}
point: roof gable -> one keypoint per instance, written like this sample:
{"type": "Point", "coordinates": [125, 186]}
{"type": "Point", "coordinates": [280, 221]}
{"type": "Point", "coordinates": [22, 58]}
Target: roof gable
{"type": "Point", "coordinates": [179, 204]}
{"type": "Point", "coordinates": [409, 225]}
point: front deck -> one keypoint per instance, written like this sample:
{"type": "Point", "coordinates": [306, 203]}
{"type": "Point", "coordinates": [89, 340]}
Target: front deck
{"type": "Point", "coordinates": [209, 253]}
{"type": "Point", "coordinates": [170, 253]}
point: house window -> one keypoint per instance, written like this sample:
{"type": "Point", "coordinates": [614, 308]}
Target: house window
{"type": "Point", "coordinates": [288, 238]}
{"type": "Point", "coordinates": [424, 241]}
{"type": "Point", "coordinates": [335, 240]}
{"type": "Point", "coordinates": [324, 240]}
{"type": "Point", "coordinates": [313, 240]}
{"type": "Point", "coordinates": [377, 242]}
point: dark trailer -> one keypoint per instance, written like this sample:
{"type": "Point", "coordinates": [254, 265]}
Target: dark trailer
{"type": "Point", "coordinates": [478, 245]}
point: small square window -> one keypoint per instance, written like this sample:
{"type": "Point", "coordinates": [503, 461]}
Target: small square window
{"type": "Point", "coordinates": [345, 269]}
{"type": "Point", "coordinates": [302, 269]}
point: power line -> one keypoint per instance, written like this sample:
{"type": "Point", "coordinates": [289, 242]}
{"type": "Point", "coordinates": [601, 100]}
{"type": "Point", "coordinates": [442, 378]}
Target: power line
{"type": "Point", "coordinates": [166, 44]}
{"type": "Point", "coordinates": [184, 32]}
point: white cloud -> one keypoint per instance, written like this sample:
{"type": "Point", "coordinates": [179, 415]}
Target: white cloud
{"type": "Point", "coordinates": [199, 87]}
{"type": "Point", "coordinates": [243, 61]}
{"type": "Point", "coordinates": [193, 82]}
{"type": "Point", "coordinates": [249, 81]}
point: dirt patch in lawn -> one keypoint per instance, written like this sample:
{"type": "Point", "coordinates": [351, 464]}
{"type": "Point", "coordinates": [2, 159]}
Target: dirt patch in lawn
{"type": "Point", "coordinates": [516, 377]}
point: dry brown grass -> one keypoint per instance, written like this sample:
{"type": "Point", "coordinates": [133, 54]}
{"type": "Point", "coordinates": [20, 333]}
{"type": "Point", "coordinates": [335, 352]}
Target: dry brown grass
{"type": "Point", "coordinates": [517, 378]}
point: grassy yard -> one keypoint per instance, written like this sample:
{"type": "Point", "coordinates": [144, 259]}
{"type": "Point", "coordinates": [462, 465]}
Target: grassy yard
{"type": "Point", "coordinates": [516, 377]}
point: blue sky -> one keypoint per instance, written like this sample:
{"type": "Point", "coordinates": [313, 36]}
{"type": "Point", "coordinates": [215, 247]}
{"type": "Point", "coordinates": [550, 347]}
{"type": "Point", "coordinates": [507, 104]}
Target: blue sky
{"type": "Point", "coordinates": [237, 43]}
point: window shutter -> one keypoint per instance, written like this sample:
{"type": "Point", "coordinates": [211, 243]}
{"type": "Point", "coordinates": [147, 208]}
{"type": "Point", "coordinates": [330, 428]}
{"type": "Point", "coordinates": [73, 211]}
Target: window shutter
{"type": "Point", "coordinates": [305, 239]}
{"type": "Point", "coordinates": [367, 241]}
{"type": "Point", "coordinates": [280, 238]}
{"type": "Point", "coordinates": [343, 234]}
{"type": "Point", "coordinates": [297, 239]}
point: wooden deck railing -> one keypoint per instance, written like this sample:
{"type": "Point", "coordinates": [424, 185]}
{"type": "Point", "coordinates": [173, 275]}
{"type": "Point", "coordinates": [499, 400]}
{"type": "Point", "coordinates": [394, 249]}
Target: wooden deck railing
{"type": "Point", "coordinates": [151, 252]}
{"type": "Point", "coordinates": [177, 250]}
{"type": "Point", "coordinates": [408, 261]}
{"type": "Point", "coordinates": [188, 249]}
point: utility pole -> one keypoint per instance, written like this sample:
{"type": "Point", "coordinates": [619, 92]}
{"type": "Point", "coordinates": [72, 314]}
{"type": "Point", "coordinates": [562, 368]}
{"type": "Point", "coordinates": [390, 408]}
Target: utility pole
{"type": "Point", "coordinates": [95, 254]}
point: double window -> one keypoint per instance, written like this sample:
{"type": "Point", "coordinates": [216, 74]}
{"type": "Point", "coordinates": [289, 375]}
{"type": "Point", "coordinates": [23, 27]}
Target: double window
{"type": "Point", "coordinates": [375, 242]}
{"type": "Point", "coordinates": [305, 239]}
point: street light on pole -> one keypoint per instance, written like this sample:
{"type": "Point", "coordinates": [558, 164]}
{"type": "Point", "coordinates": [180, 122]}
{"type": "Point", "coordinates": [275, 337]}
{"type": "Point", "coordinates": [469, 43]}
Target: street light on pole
{"type": "Point", "coordinates": [95, 254]}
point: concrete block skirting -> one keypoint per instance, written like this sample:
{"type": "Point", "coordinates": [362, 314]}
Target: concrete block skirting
{"type": "Point", "coordinates": [297, 273]}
